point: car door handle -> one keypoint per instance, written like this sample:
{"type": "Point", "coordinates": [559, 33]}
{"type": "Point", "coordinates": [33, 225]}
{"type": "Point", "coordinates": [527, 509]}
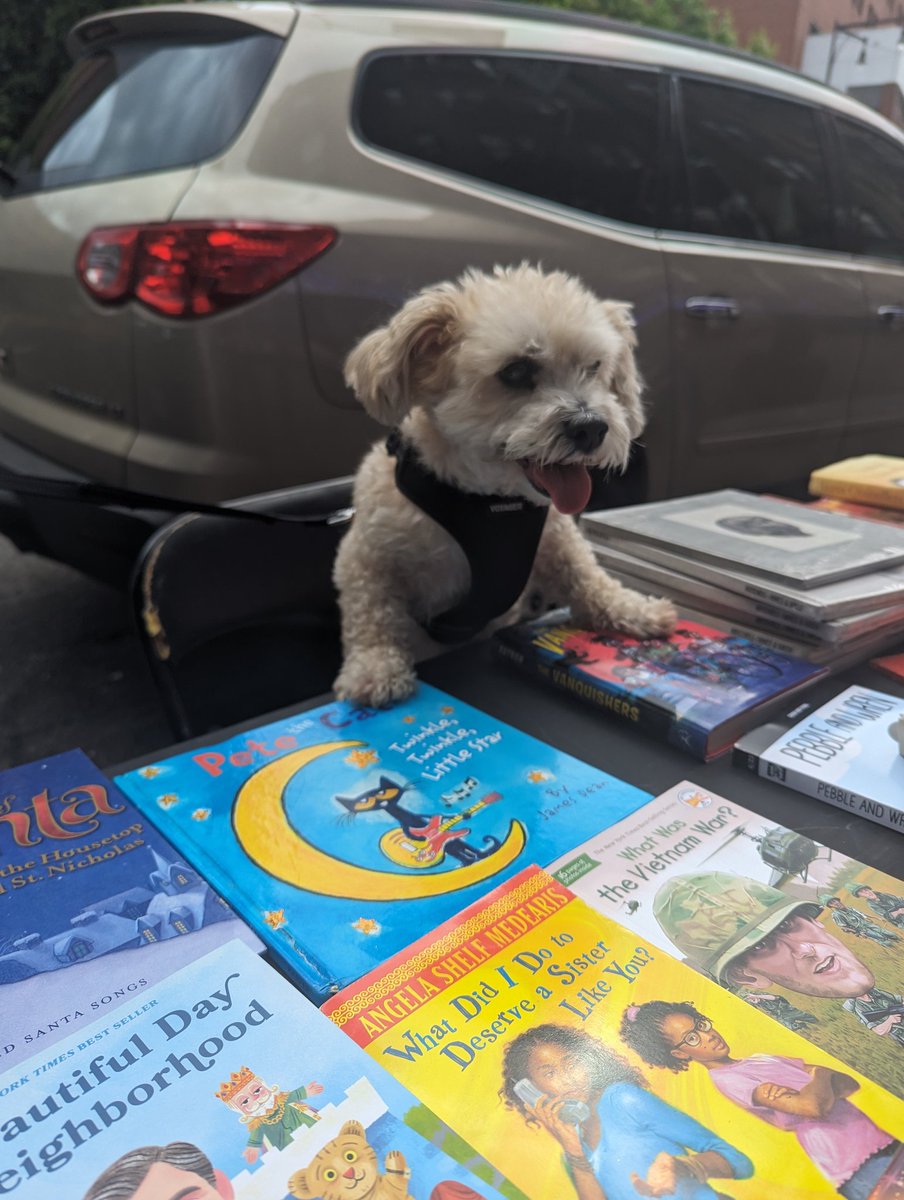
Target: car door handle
{"type": "Point", "coordinates": [709, 308]}
{"type": "Point", "coordinates": [891, 314]}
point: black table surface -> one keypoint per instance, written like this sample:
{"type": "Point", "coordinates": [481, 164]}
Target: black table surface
{"type": "Point", "coordinates": [473, 674]}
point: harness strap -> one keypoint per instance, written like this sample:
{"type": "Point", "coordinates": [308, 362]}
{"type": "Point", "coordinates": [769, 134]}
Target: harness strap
{"type": "Point", "coordinates": [499, 536]}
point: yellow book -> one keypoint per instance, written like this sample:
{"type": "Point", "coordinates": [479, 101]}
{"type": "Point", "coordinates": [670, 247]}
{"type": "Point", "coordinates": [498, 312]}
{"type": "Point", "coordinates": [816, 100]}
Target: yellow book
{"type": "Point", "coordinates": [585, 1063]}
{"type": "Point", "coordinates": [872, 478]}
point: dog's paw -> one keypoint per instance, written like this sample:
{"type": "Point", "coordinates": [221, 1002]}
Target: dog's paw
{"type": "Point", "coordinates": [643, 616]}
{"type": "Point", "coordinates": [375, 678]}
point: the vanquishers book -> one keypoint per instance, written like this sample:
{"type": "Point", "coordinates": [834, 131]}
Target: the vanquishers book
{"type": "Point", "coordinates": [95, 905]}
{"type": "Point", "coordinates": [342, 833]}
{"type": "Point", "coordinates": [587, 1064]}
{"type": "Point", "coordinates": [223, 1083]}
{"type": "Point", "coordinates": [801, 932]}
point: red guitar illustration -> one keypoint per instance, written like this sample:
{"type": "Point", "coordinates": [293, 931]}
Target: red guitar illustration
{"type": "Point", "coordinates": [423, 845]}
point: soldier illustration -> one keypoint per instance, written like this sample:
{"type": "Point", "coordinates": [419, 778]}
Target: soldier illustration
{"type": "Point", "coordinates": [885, 905]}
{"type": "Point", "coordinates": [780, 1008]}
{"type": "Point", "coordinates": [853, 921]}
{"type": "Point", "coordinates": [271, 1116]}
{"type": "Point", "coordinates": [880, 1011]}
{"type": "Point", "coordinates": [744, 933]}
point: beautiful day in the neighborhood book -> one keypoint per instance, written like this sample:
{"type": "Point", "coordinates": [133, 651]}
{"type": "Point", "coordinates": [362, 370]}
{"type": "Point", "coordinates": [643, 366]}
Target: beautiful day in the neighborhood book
{"type": "Point", "coordinates": [343, 833]}
{"type": "Point", "coordinates": [95, 905]}
{"type": "Point", "coordinates": [223, 1083]}
{"type": "Point", "coordinates": [752, 533]}
{"type": "Point", "coordinates": [584, 1061]}
{"type": "Point", "coordinates": [716, 885]}
{"type": "Point", "coordinates": [698, 688]}
{"type": "Point", "coordinates": [845, 752]}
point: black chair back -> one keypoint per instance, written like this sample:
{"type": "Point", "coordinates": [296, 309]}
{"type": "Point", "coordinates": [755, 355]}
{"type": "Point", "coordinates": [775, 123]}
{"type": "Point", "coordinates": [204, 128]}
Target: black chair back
{"type": "Point", "coordinates": [239, 617]}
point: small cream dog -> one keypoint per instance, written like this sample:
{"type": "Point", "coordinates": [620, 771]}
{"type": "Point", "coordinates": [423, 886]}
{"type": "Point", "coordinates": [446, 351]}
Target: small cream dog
{"type": "Point", "coordinates": [508, 384]}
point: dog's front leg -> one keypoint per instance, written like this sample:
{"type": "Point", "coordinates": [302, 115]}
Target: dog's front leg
{"type": "Point", "coordinates": [378, 636]}
{"type": "Point", "coordinates": [566, 568]}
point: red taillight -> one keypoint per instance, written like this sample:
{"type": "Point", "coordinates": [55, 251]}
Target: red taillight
{"type": "Point", "coordinates": [194, 268]}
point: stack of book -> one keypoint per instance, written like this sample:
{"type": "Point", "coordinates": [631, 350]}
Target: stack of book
{"type": "Point", "coordinates": [870, 486]}
{"type": "Point", "coordinates": [822, 586]}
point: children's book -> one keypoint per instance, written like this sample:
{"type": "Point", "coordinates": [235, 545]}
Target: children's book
{"type": "Point", "coordinates": [224, 1083]}
{"type": "Point", "coordinates": [584, 1061]}
{"type": "Point", "coordinates": [890, 664]}
{"type": "Point", "coordinates": [95, 905]}
{"type": "Point", "coordinates": [845, 752]}
{"type": "Point", "coordinates": [869, 512]}
{"type": "Point", "coordinates": [690, 871]}
{"type": "Point", "coordinates": [342, 833]}
{"type": "Point", "coordinates": [871, 478]}
{"type": "Point", "coordinates": [753, 534]}
{"type": "Point", "coordinates": [697, 689]}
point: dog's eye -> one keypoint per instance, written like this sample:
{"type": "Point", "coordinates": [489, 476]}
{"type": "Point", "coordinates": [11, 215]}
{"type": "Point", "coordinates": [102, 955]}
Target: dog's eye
{"type": "Point", "coordinates": [519, 373]}
{"type": "Point", "coordinates": [593, 367]}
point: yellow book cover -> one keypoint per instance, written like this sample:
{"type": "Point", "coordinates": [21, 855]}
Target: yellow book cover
{"type": "Point", "coordinates": [587, 1064]}
{"type": "Point", "coordinates": [871, 478]}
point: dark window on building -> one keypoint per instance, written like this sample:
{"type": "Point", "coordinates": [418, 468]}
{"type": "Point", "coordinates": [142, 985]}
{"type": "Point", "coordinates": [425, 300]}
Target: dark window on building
{"type": "Point", "coordinates": [755, 168]}
{"type": "Point", "coordinates": [580, 134]}
{"type": "Point", "coordinates": [874, 171]}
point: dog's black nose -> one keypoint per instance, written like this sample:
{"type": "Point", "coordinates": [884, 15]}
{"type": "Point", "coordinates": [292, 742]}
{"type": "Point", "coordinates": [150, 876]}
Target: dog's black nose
{"type": "Point", "coordinates": [586, 432]}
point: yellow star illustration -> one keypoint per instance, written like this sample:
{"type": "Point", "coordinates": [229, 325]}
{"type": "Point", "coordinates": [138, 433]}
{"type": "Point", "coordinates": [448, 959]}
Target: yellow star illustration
{"type": "Point", "coordinates": [366, 925]}
{"type": "Point", "coordinates": [538, 776]}
{"type": "Point", "coordinates": [200, 814]}
{"type": "Point", "coordinates": [275, 918]}
{"type": "Point", "coordinates": [168, 800]}
{"type": "Point", "coordinates": [408, 720]}
{"type": "Point", "coordinates": [150, 772]}
{"type": "Point", "coordinates": [446, 709]}
{"type": "Point", "coordinates": [362, 758]}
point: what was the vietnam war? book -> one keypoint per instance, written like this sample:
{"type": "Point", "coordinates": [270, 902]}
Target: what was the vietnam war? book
{"type": "Point", "coordinates": [223, 1083]}
{"type": "Point", "coordinates": [808, 935]}
{"type": "Point", "coordinates": [342, 833]}
{"type": "Point", "coordinates": [587, 1064]}
{"type": "Point", "coordinates": [697, 689]}
{"type": "Point", "coordinates": [95, 905]}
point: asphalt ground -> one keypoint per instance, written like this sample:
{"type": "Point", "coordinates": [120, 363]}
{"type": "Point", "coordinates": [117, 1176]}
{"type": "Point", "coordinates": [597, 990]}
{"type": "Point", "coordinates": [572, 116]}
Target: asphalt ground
{"type": "Point", "coordinates": [72, 670]}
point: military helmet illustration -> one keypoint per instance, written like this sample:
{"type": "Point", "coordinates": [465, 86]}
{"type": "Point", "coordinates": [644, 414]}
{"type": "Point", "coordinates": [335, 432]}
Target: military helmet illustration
{"type": "Point", "coordinates": [713, 917]}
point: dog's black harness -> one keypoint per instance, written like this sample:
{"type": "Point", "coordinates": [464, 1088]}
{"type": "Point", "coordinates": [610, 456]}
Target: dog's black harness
{"type": "Point", "coordinates": [498, 534]}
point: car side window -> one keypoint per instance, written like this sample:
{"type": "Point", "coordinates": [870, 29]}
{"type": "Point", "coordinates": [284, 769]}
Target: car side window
{"type": "Point", "coordinates": [874, 173]}
{"type": "Point", "coordinates": [755, 167]}
{"type": "Point", "coordinates": [580, 134]}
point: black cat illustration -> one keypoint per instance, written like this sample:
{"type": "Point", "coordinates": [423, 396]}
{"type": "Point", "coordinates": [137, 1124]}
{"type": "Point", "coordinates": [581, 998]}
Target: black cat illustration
{"type": "Point", "coordinates": [385, 798]}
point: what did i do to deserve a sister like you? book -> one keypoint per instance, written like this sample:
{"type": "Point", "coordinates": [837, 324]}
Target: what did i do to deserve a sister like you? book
{"type": "Point", "coordinates": [342, 833]}
{"type": "Point", "coordinates": [95, 904]}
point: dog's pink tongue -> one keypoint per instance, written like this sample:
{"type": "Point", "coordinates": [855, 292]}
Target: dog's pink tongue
{"type": "Point", "coordinates": [567, 486]}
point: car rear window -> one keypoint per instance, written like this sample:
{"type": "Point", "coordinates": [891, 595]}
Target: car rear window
{"type": "Point", "coordinates": [144, 104]}
{"type": "Point", "coordinates": [578, 133]}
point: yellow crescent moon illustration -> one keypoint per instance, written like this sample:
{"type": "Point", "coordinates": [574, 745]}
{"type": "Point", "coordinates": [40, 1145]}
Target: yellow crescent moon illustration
{"type": "Point", "coordinates": [265, 834]}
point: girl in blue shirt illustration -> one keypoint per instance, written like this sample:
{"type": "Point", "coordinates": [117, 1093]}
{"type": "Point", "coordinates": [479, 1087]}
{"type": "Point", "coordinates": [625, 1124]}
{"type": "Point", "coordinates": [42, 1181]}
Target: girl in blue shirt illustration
{"type": "Point", "coordinates": [618, 1140]}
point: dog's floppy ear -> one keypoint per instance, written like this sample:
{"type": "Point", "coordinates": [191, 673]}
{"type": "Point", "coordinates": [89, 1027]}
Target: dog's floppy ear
{"type": "Point", "coordinates": [626, 381]}
{"type": "Point", "coordinates": [403, 362]}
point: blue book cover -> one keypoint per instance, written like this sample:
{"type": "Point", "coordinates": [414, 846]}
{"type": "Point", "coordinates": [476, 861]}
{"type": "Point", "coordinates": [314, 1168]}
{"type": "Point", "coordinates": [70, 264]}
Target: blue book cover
{"type": "Point", "coordinates": [95, 905]}
{"type": "Point", "coordinates": [699, 688]}
{"type": "Point", "coordinates": [224, 1083]}
{"type": "Point", "coordinates": [342, 834]}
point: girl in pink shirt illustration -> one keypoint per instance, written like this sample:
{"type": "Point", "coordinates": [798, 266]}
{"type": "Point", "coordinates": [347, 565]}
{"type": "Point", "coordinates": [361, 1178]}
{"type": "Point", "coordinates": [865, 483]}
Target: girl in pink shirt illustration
{"type": "Point", "coordinates": [809, 1101]}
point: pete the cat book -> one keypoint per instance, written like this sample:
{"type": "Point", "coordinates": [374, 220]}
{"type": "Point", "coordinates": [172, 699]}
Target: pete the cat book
{"type": "Point", "coordinates": [223, 1083]}
{"type": "Point", "coordinates": [587, 1064]}
{"type": "Point", "coordinates": [95, 905]}
{"type": "Point", "coordinates": [342, 833]}
{"type": "Point", "coordinates": [811, 937]}
{"type": "Point", "coordinates": [696, 689]}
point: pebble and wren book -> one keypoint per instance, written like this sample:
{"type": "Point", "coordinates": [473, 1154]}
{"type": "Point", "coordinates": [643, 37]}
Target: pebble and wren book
{"type": "Point", "coordinates": [342, 833]}
{"type": "Point", "coordinates": [708, 881]}
{"type": "Point", "coordinates": [95, 905]}
{"type": "Point", "coordinates": [584, 1062]}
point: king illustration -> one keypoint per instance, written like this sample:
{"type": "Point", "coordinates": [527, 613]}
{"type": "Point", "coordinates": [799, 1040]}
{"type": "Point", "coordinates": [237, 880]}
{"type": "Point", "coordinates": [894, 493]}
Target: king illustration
{"type": "Point", "coordinates": [271, 1116]}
